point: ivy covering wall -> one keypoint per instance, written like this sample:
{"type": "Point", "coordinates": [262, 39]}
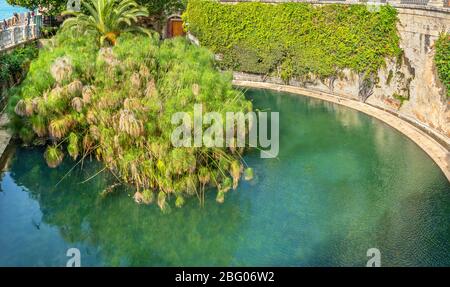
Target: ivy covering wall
{"type": "Point", "coordinates": [13, 67]}
{"type": "Point", "coordinates": [295, 39]}
{"type": "Point", "coordinates": [14, 64]}
{"type": "Point", "coordinates": [442, 60]}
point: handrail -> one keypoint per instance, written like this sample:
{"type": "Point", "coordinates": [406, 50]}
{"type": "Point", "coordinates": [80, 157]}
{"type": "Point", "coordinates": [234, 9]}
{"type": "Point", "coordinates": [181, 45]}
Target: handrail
{"type": "Point", "coordinates": [419, 4]}
{"type": "Point", "coordinates": [21, 32]}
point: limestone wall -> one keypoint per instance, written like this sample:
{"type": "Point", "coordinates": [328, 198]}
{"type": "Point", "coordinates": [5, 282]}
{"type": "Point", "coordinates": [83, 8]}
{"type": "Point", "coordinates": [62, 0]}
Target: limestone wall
{"type": "Point", "coordinates": [415, 76]}
{"type": "Point", "coordinates": [408, 86]}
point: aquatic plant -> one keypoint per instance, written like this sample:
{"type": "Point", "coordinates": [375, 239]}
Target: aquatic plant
{"type": "Point", "coordinates": [107, 19]}
{"type": "Point", "coordinates": [116, 104]}
{"type": "Point", "coordinates": [54, 156]}
{"type": "Point", "coordinates": [248, 173]}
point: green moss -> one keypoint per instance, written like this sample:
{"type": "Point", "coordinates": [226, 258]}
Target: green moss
{"type": "Point", "coordinates": [295, 39]}
{"type": "Point", "coordinates": [442, 60]}
{"type": "Point", "coordinates": [400, 98]}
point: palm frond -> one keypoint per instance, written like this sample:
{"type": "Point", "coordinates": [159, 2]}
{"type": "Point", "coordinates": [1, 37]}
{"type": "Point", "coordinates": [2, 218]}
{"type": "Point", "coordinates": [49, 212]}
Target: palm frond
{"type": "Point", "coordinates": [107, 19]}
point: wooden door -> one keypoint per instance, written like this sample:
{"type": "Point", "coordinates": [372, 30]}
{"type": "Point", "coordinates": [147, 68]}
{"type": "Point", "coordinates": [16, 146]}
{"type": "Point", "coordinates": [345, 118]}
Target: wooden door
{"type": "Point", "coordinates": [176, 28]}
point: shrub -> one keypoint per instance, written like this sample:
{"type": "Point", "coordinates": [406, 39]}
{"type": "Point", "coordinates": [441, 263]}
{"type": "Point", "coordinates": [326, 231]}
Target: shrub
{"type": "Point", "coordinates": [14, 64]}
{"type": "Point", "coordinates": [295, 39]}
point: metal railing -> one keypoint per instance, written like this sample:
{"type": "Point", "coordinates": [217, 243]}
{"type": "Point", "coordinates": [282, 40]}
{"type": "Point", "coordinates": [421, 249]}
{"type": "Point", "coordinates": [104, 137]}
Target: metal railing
{"type": "Point", "coordinates": [20, 32]}
{"type": "Point", "coordinates": [415, 2]}
{"type": "Point", "coordinates": [372, 1]}
{"type": "Point", "coordinates": [400, 3]}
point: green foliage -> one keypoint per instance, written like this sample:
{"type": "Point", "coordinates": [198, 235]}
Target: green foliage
{"type": "Point", "coordinates": [179, 202]}
{"type": "Point", "coordinates": [162, 8]}
{"type": "Point", "coordinates": [400, 98]}
{"type": "Point", "coordinates": [81, 51]}
{"type": "Point", "coordinates": [53, 7]}
{"type": "Point", "coordinates": [48, 32]}
{"type": "Point", "coordinates": [147, 196]}
{"type": "Point", "coordinates": [15, 63]}
{"type": "Point", "coordinates": [106, 19]}
{"type": "Point", "coordinates": [53, 156]}
{"type": "Point", "coordinates": [73, 148]}
{"type": "Point", "coordinates": [442, 60]}
{"type": "Point", "coordinates": [117, 103]}
{"type": "Point", "coordinates": [248, 173]}
{"type": "Point", "coordinates": [295, 39]}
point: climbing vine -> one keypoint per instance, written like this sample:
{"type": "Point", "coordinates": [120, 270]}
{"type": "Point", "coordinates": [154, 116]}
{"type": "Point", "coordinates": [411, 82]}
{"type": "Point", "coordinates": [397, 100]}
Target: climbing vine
{"type": "Point", "coordinates": [13, 68]}
{"type": "Point", "coordinates": [442, 60]}
{"type": "Point", "coordinates": [295, 39]}
{"type": "Point", "coordinates": [15, 63]}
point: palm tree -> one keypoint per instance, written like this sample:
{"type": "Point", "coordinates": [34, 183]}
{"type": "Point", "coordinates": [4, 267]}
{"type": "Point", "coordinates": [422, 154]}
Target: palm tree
{"type": "Point", "coordinates": [107, 19]}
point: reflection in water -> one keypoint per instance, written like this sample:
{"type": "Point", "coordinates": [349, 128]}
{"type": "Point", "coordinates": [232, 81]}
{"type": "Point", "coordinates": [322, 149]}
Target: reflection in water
{"type": "Point", "coordinates": [122, 232]}
{"type": "Point", "coordinates": [343, 183]}
{"type": "Point", "coordinates": [341, 114]}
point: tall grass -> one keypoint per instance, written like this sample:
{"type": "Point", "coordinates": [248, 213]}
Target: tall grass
{"type": "Point", "coordinates": [116, 104]}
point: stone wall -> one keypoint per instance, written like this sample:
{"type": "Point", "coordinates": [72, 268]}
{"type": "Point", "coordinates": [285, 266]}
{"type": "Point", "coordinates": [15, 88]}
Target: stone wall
{"type": "Point", "coordinates": [407, 86]}
{"type": "Point", "coordinates": [414, 76]}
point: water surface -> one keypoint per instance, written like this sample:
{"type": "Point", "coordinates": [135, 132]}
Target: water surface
{"type": "Point", "coordinates": [343, 183]}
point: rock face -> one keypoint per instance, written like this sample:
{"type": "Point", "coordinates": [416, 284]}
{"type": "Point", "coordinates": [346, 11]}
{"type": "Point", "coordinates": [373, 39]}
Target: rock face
{"type": "Point", "coordinates": [409, 85]}
{"type": "Point", "coordinates": [414, 89]}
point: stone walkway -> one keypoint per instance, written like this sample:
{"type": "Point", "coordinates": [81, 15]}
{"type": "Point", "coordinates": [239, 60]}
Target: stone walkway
{"type": "Point", "coordinates": [5, 136]}
{"type": "Point", "coordinates": [434, 149]}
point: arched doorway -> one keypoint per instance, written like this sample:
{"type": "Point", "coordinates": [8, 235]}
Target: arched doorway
{"type": "Point", "coordinates": [174, 27]}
